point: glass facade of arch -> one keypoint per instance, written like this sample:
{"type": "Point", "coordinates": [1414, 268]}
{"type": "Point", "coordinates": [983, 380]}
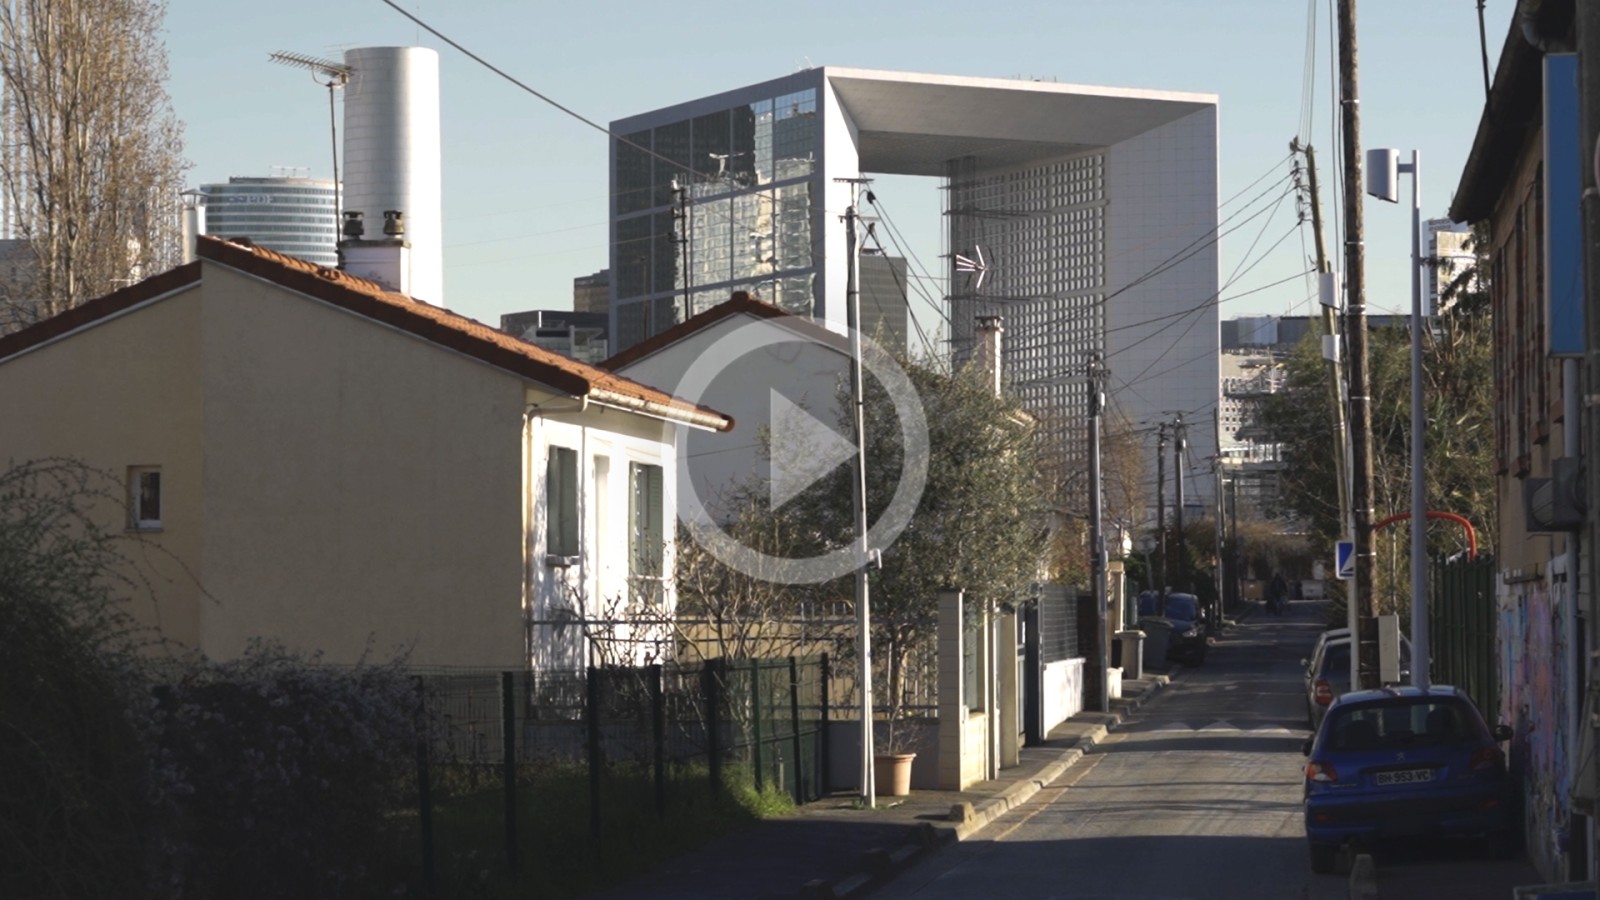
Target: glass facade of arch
{"type": "Point", "coordinates": [713, 204]}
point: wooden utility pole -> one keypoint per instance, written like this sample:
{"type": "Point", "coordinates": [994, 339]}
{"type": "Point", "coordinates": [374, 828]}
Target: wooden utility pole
{"type": "Point", "coordinates": [1330, 324]}
{"type": "Point", "coordinates": [1179, 445]}
{"type": "Point", "coordinates": [1161, 514]}
{"type": "Point", "coordinates": [1097, 540]}
{"type": "Point", "coordinates": [1356, 345]}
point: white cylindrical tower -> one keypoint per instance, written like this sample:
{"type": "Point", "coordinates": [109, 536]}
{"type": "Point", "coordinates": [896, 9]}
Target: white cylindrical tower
{"type": "Point", "coordinates": [391, 152]}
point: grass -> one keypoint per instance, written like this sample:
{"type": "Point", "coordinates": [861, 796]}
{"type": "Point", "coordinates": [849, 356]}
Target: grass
{"type": "Point", "coordinates": [556, 853]}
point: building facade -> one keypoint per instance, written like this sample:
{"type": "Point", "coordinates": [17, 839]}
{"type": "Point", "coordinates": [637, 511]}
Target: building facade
{"type": "Point", "coordinates": [1522, 176]}
{"type": "Point", "coordinates": [592, 293]}
{"type": "Point", "coordinates": [1091, 206]}
{"type": "Point", "coordinates": [292, 216]}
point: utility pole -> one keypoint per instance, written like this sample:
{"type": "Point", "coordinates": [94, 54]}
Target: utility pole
{"type": "Point", "coordinates": [1588, 41]}
{"type": "Point", "coordinates": [858, 486]}
{"type": "Point", "coordinates": [1161, 514]}
{"type": "Point", "coordinates": [1179, 445]}
{"type": "Point", "coordinates": [1330, 324]}
{"type": "Point", "coordinates": [1097, 540]}
{"type": "Point", "coordinates": [1366, 634]}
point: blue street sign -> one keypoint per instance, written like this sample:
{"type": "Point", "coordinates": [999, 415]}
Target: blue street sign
{"type": "Point", "coordinates": [1345, 560]}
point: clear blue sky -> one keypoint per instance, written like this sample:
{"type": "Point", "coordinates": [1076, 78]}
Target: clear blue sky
{"type": "Point", "coordinates": [525, 186]}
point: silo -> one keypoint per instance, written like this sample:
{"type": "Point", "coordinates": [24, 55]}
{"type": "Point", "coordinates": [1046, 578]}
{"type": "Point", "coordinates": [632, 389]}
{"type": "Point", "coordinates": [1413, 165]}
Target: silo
{"type": "Point", "coordinates": [391, 153]}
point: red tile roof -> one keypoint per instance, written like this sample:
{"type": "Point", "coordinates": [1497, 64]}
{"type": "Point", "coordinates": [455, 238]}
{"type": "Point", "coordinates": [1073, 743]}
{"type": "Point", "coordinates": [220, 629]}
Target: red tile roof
{"type": "Point", "coordinates": [740, 302]}
{"type": "Point", "coordinates": [369, 299]}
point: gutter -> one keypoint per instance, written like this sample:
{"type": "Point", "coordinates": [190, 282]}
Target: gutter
{"type": "Point", "coordinates": [693, 417]}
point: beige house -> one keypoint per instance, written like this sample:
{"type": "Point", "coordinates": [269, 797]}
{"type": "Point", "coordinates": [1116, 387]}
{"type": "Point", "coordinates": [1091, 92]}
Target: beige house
{"type": "Point", "coordinates": [312, 458]}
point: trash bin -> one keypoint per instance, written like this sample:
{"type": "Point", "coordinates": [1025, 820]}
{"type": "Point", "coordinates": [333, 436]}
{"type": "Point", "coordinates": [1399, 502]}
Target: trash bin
{"type": "Point", "coordinates": [1131, 643]}
{"type": "Point", "coordinates": [1157, 634]}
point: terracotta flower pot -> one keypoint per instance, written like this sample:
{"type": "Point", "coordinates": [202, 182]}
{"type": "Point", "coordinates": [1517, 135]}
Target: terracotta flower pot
{"type": "Point", "coordinates": [892, 773]}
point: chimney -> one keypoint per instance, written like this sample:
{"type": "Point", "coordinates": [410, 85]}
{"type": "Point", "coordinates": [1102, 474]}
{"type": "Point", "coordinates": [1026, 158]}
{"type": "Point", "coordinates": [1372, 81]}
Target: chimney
{"type": "Point", "coordinates": [193, 222]}
{"type": "Point", "coordinates": [986, 354]}
{"type": "Point", "coordinates": [386, 260]}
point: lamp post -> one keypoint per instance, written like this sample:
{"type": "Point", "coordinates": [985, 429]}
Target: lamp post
{"type": "Point", "coordinates": [1383, 171]}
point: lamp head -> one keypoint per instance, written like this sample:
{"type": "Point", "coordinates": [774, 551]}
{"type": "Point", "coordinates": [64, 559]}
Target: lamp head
{"type": "Point", "coordinates": [1383, 174]}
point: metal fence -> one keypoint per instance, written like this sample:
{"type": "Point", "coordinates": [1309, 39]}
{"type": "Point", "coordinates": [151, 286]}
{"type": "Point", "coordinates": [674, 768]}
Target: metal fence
{"type": "Point", "coordinates": [500, 754]}
{"type": "Point", "coordinates": [1462, 626]}
{"type": "Point", "coordinates": [1058, 622]}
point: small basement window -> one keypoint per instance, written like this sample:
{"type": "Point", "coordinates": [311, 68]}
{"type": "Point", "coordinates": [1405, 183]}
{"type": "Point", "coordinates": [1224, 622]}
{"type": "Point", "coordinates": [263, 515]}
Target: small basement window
{"type": "Point", "coordinates": [144, 498]}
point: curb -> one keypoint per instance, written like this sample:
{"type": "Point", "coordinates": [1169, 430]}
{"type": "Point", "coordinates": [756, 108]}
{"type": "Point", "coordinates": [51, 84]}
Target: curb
{"type": "Point", "coordinates": [879, 865]}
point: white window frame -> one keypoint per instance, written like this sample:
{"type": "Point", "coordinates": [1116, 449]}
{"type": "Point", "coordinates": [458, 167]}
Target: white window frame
{"type": "Point", "coordinates": [144, 498]}
{"type": "Point", "coordinates": [647, 538]}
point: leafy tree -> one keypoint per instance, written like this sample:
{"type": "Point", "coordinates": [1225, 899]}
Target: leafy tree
{"type": "Point", "coordinates": [1457, 391]}
{"type": "Point", "coordinates": [93, 163]}
{"type": "Point", "coordinates": [980, 524]}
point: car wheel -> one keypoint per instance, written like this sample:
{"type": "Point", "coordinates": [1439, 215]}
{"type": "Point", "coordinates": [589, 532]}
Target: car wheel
{"type": "Point", "coordinates": [1323, 857]}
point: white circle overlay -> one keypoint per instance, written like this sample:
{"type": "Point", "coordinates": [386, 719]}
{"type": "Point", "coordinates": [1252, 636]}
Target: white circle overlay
{"type": "Point", "coordinates": [756, 335]}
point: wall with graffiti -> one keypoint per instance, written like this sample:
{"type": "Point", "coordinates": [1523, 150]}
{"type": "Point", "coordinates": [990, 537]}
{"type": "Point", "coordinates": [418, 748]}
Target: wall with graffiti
{"type": "Point", "coordinates": [1533, 675]}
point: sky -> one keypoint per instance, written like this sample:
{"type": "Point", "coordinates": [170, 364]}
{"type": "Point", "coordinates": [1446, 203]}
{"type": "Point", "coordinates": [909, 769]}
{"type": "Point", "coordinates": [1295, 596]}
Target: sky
{"type": "Point", "coordinates": [525, 185]}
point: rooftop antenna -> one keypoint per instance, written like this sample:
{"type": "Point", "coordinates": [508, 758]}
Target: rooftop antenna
{"type": "Point", "coordinates": [331, 75]}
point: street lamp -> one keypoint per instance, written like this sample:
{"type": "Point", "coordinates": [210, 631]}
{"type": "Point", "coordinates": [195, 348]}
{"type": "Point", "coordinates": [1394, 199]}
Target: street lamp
{"type": "Point", "coordinates": [1383, 171]}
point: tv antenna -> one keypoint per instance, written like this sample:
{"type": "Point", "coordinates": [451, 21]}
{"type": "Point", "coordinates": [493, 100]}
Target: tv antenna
{"type": "Point", "coordinates": [332, 75]}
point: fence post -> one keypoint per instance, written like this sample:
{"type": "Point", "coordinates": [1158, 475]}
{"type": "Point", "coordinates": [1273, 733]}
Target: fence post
{"type": "Point", "coordinates": [592, 714]}
{"type": "Point", "coordinates": [508, 742]}
{"type": "Point", "coordinates": [755, 723]}
{"type": "Point", "coordinates": [794, 723]}
{"type": "Point", "coordinates": [826, 761]}
{"type": "Point", "coordinates": [424, 789]}
{"type": "Point", "coordinates": [658, 729]}
{"type": "Point", "coordinates": [710, 689]}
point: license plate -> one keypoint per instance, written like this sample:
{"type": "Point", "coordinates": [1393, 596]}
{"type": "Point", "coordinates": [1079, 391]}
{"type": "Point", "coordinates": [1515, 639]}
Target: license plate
{"type": "Point", "coordinates": [1404, 776]}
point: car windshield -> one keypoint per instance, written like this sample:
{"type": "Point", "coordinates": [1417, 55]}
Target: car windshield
{"type": "Point", "coordinates": [1181, 606]}
{"type": "Point", "coordinates": [1401, 723]}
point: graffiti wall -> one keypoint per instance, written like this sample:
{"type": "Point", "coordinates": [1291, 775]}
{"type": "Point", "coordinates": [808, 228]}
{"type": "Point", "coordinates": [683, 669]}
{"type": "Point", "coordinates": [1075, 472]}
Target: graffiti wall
{"type": "Point", "coordinates": [1533, 664]}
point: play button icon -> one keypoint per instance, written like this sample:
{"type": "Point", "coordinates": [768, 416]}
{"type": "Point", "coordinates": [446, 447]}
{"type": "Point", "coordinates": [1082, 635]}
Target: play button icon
{"type": "Point", "coordinates": [804, 449]}
{"type": "Point", "coordinates": [800, 446]}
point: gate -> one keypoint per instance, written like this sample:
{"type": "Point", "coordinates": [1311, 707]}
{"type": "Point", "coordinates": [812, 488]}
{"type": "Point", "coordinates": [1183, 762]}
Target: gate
{"type": "Point", "coordinates": [1462, 625]}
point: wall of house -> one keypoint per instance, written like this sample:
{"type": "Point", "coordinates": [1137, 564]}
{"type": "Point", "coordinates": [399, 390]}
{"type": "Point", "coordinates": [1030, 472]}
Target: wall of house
{"type": "Point", "coordinates": [1533, 592]}
{"type": "Point", "coordinates": [125, 393]}
{"type": "Point", "coordinates": [362, 486]}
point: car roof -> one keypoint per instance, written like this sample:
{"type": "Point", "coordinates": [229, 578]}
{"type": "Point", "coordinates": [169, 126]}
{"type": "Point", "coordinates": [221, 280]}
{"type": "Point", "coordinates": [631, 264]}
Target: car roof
{"type": "Point", "coordinates": [1400, 692]}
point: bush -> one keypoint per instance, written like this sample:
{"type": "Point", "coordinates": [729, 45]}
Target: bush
{"type": "Point", "coordinates": [75, 781]}
{"type": "Point", "coordinates": [285, 778]}
{"type": "Point", "coordinates": [270, 776]}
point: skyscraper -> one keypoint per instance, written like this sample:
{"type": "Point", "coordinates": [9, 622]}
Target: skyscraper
{"type": "Point", "coordinates": [293, 216]}
{"type": "Point", "coordinates": [1094, 209]}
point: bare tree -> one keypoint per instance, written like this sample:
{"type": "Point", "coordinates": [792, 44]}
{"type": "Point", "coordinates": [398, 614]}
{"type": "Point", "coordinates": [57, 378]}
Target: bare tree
{"type": "Point", "coordinates": [92, 161]}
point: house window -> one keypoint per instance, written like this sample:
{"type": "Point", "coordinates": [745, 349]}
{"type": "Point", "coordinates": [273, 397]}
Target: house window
{"type": "Point", "coordinates": [646, 532]}
{"type": "Point", "coordinates": [561, 502]}
{"type": "Point", "coordinates": [144, 498]}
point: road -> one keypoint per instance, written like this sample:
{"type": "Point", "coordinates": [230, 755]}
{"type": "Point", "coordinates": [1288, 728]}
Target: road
{"type": "Point", "coordinates": [1197, 796]}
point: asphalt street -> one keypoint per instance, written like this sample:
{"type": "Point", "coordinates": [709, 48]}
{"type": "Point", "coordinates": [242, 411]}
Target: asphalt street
{"type": "Point", "coordinates": [1198, 796]}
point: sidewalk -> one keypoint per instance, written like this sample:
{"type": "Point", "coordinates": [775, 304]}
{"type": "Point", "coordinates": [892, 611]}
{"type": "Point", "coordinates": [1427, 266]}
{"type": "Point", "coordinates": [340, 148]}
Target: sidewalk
{"type": "Point", "coordinates": [829, 849]}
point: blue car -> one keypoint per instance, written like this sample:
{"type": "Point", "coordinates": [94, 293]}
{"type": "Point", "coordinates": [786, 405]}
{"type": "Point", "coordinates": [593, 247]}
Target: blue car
{"type": "Point", "coordinates": [1406, 762]}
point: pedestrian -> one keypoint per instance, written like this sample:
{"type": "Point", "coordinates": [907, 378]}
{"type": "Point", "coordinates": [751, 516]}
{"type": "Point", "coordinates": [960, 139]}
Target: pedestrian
{"type": "Point", "coordinates": [1277, 593]}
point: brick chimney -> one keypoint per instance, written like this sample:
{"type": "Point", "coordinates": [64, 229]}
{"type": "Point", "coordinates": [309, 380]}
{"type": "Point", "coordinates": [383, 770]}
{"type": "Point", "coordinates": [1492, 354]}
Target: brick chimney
{"type": "Point", "coordinates": [986, 355]}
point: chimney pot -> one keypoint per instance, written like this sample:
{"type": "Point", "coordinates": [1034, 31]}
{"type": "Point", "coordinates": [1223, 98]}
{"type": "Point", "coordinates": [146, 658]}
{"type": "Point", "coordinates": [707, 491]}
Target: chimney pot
{"type": "Point", "coordinates": [394, 222]}
{"type": "Point", "coordinates": [353, 226]}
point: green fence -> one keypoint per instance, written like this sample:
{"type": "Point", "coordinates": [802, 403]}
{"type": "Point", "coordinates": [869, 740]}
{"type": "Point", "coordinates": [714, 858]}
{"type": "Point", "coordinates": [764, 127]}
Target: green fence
{"type": "Point", "coordinates": [1462, 624]}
